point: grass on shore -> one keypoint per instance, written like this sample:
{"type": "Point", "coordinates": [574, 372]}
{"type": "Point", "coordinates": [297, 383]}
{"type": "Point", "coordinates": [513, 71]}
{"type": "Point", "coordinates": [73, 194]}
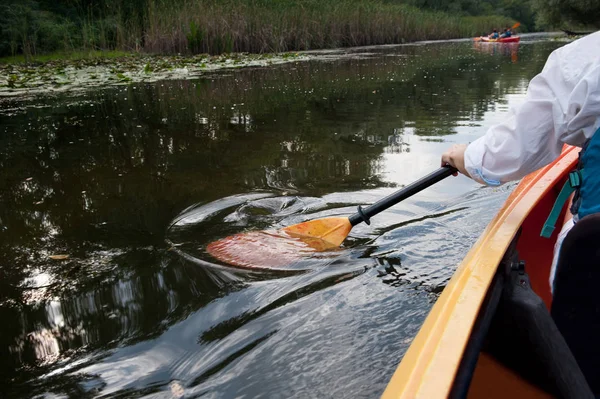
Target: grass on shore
{"type": "Point", "coordinates": [65, 56]}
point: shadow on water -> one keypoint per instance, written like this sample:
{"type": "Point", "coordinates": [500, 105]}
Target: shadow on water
{"type": "Point", "coordinates": [108, 200]}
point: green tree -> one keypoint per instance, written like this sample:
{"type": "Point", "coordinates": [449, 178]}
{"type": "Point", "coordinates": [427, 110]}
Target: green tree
{"type": "Point", "coordinates": [520, 10]}
{"type": "Point", "coordinates": [18, 27]}
{"type": "Point", "coordinates": [563, 13]}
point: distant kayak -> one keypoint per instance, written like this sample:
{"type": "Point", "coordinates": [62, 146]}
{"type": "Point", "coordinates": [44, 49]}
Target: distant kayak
{"type": "Point", "coordinates": [512, 39]}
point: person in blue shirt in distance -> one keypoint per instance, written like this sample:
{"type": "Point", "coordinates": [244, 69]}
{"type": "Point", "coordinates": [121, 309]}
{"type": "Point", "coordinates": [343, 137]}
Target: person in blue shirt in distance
{"type": "Point", "coordinates": [506, 33]}
{"type": "Point", "coordinates": [494, 34]}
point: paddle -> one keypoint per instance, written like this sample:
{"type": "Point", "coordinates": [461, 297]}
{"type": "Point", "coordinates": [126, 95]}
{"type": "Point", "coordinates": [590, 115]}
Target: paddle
{"type": "Point", "coordinates": [277, 248]}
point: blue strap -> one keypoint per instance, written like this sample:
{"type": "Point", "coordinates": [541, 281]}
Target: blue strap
{"type": "Point", "coordinates": [571, 185]}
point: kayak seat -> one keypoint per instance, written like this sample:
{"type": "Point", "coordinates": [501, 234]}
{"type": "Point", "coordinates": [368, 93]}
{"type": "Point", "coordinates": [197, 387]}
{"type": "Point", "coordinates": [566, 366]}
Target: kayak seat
{"type": "Point", "coordinates": [515, 331]}
{"type": "Point", "coordinates": [525, 338]}
{"type": "Point", "coordinates": [576, 300]}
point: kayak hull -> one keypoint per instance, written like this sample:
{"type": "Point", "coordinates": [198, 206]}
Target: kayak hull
{"type": "Point", "coordinates": [433, 361]}
{"type": "Point", "coordinates": [512, 39]}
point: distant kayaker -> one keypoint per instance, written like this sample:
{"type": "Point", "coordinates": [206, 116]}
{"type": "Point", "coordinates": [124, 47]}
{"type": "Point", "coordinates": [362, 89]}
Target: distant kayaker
{"type": "Point", "coordinates": [562, 106]}
{"type": "Point", "coordinates": [506, 33]}
{"type": "Point", "coordinates": [494, 34]}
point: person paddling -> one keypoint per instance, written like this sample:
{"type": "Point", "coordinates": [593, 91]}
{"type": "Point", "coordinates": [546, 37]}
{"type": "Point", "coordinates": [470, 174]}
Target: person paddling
{"type": "Point", "coordinates": [494, 34]}
{"type": "Point", "coordinates": [562, 106]}
{"type": "Point", "coordinates": [505, 33]}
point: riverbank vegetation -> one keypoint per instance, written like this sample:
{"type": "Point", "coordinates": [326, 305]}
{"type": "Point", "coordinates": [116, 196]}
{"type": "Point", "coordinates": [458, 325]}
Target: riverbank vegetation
{"type": "Point", "coordinates": [33, 27]}
{"type": "Point", "coordinates": [574, 14]}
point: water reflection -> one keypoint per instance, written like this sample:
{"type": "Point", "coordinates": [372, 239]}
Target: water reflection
{"type": "Point", "coordinates": [122, 182]}
{"type": "Point", "coordinates": [493, 48]}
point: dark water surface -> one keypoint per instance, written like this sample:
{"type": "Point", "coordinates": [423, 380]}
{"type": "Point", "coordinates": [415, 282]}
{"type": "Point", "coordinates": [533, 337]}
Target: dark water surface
{"type": "Point", "coordinates": [132, 182]}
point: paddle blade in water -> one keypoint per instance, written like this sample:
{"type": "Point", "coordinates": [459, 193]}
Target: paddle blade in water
{"type": "Point", "coordinates": [331, 230]}
{"type": "Point", "coordinates": [265, 249]}
{"type": "Point", "coordinates": [277, 249]}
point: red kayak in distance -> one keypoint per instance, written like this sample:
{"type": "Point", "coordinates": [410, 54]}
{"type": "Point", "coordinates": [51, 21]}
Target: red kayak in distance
{"type": "Point", "coordinates": [512, 39]}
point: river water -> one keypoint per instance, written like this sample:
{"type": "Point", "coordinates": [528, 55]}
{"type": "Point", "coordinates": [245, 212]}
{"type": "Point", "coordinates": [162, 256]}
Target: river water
{"type": "Point", "coordinates": [109, 197]}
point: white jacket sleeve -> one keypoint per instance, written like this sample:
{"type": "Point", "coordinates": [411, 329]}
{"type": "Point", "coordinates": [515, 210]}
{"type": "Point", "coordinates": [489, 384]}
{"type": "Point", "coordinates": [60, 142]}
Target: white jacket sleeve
{"type": "Point", "coordinates": [562, 105]}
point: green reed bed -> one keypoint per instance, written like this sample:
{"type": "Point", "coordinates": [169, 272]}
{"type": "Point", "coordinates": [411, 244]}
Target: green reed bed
{"type": "Point", "coordinates": [209, 26]}
{"type": "Point", "coordinates": [224, 26]}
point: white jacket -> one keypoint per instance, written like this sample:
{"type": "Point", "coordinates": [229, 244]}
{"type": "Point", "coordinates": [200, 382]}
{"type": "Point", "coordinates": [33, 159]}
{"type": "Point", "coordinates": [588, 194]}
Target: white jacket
{"type": "Point", "coordinates": [562, 105]}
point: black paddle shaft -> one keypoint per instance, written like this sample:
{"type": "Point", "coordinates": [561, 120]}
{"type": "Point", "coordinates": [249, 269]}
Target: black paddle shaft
{"type": "Point", "coordinates": [364, 214]}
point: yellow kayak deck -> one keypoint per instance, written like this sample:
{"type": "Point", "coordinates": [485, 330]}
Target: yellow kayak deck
{"type": "Point", "coordinates": [429, 367]}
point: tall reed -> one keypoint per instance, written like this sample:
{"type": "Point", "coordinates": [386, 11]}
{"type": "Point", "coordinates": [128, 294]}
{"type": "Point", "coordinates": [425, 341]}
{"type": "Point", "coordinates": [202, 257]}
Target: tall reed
{"type": "Point", "coordinates": [224, 26]}
{"type": "Point", "coordinates": [257, 26]}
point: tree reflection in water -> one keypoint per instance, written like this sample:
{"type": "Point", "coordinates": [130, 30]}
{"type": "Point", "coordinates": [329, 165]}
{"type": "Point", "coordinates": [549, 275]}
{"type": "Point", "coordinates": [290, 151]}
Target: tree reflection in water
{"type": "Point", "coordinates": [100, 176]}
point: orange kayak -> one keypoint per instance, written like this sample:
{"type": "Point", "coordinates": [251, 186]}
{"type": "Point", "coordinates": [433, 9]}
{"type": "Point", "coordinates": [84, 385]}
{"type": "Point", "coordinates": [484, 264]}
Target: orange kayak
{"type": "Point", "coordinates": [512, 39]}
{"type": "Point", "coordinates": [466, 348]}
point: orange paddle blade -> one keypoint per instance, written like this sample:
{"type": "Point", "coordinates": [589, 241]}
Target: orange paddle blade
{"type": "Point", "coordinates": [330, 230]}
{"type": "Point", "coordinates": [276, 249]}
{"type": "Point", "coordinates": [515, 26]}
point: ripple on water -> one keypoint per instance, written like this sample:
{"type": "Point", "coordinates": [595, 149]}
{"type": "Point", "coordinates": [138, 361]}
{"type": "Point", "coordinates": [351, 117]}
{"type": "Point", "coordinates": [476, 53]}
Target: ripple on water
{"type": "Point", "coordinates": [280, 325]}
{"type": "Point", "coordinates": [101, 175]}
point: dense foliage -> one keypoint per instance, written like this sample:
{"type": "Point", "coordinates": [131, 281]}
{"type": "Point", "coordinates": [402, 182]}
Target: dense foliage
{"type": "Point", "coordinates": [181, 26]}
{"type": "Point", "coordinates": [568, 13]}
{"type": "Point", "coordinates": [519, 10]}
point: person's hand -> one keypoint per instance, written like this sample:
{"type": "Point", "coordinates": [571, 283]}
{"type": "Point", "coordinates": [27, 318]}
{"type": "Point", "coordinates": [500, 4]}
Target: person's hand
{"type": "Point", "coordinates": [455, 156]}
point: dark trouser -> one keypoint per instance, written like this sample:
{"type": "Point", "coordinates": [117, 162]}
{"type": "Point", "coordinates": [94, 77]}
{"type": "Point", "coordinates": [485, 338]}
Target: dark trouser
{"type": "Point", "coordinates": [576, 300]}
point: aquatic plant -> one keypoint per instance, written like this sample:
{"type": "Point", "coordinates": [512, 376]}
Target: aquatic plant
{"type": "Point", "coordinates": [123, 78]}
{"type": "Point", "coordinates": [12, 80]}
